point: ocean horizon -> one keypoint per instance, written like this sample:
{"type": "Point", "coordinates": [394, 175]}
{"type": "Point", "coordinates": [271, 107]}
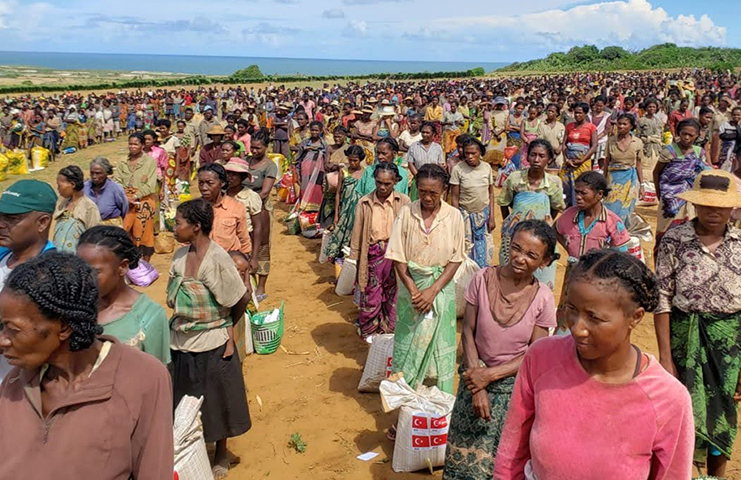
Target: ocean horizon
{"type": "Point", "coordinates": [222, 65]}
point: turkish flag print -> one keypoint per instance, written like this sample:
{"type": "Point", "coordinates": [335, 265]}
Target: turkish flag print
{"type": "Point", "coordinates": [420, 423]}
{"type": "Point", "coordinates": [420, 442]}
{"type": "Point", "coordinates": [441, 422]}
{"type": "Point", "coordinates": [439, 440]}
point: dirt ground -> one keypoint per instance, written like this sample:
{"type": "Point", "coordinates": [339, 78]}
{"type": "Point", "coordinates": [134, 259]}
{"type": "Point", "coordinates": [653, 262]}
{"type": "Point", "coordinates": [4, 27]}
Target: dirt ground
{"type": "Point", "coordinates": [311, 387]}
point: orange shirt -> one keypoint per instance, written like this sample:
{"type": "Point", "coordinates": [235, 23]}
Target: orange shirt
{"type": "Point", "coordinates": [230, 229]}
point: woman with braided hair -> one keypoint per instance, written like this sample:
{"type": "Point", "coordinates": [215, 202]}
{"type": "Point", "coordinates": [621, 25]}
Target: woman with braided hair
{"type": "Point", "coordinates": [263, 173]}
{"type": "Point", "coordinates": [131, 316]}
{"type": "Point", "coordinates": [591, 404]}
{"type": "Point", "coordinates": [208, 296]}
{"type": "Point", "coordinates": [77, 404]}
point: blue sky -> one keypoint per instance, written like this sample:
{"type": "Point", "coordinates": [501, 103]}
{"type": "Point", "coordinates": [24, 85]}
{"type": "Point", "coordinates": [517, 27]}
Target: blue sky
{"type": "Point", "coordinates": [466, 30]}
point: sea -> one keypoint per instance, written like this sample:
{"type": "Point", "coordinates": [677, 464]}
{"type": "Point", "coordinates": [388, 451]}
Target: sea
{"type": "Point", "coordinates": [213, 65]}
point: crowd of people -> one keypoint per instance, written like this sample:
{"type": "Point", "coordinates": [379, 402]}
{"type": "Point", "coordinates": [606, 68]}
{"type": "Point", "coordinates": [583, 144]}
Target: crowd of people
{"type": "Point", "coordinates": [403, 179]}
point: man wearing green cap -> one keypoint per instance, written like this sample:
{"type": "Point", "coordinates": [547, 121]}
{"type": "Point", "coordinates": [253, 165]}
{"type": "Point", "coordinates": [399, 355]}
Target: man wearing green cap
{"type": "Point", "coordinates": [26, 208]}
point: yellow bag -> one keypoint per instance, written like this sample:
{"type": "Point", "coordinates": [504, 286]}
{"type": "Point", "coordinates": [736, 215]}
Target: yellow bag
{"type": "Point", "coordinates": [280, 161]}
{"type": "Point", "coordinates": [3, 167]}
{"type": "Point", "coordinates": [17, 164]}
{"type": "Point", "coordinates": [39, 158]}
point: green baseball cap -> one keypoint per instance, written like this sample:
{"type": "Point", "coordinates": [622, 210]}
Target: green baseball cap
{"type": "Point", "coordinates": [28, 196]}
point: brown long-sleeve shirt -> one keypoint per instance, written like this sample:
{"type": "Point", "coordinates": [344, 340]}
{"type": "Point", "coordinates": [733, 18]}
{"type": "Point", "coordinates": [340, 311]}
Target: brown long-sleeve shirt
{"type": "Point", "coordinates": [116, 426]}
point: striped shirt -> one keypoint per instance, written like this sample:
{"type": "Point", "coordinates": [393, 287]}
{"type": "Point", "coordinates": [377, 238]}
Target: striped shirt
{"type": "Point", "coordinates": [419, 155]}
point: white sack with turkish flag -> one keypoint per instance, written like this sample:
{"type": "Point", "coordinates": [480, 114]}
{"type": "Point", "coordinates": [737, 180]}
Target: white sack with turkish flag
{"type": "Point", "coordinates": [422, 430]}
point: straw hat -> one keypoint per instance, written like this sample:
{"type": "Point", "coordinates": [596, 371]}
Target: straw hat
{"type": "Point", "coordinates": [216, 130]}
{"type": "Point", "coordinates": [286, 106]}
{"type": "Point", "coordinates": [714, 188]}
{"type": "Point", "coordinates": [385, 102]}
{"type": "Point", "coordinates": [372, 100]}
{"type": "Point", "coordinates": [367, 110]}
{"type": "Point", "coordinates": [237, 165]}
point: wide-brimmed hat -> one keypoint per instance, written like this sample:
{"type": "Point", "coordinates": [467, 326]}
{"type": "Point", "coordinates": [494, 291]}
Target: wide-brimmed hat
{"type": "Point", "coordinates": [237, 165]}
{"type": "Point", "coordinates": [372, 100]}
{"type": "Point", "coordinates": [216, 130]}
{"type": "Point", "coordinates": [385, 101]}
{"type": "Point", "coordinates": [367, 110]}
{"type": "Point", "coordinates": [714, 188]}
{"type": "Point", "coordinates": [387, 111]}
{"type": "Point", "coordinates": [286, 106]}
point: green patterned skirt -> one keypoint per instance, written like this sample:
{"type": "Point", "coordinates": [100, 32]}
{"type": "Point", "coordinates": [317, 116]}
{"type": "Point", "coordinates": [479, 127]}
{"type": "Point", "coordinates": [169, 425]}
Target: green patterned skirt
{"type": "Point", "coordinates": [705, 350]}
{"type": "Point", "coordinates": [472, 441]}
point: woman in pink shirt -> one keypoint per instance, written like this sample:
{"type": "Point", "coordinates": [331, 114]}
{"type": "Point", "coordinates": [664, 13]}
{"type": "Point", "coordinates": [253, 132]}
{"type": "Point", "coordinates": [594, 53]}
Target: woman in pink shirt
{"type": "Point", "coordinates": [158, 153]}
{"type": "Point", "coordinates": [591, 405]}
{"type": "Point", "coordinates": [507, 310]}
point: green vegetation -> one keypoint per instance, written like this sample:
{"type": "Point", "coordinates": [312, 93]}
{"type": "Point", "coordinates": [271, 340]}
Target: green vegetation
{"type": "Point", "coordinates": [297, 443]}
{"type": "Point", "coordinates": [253, 71]}
{"type": "Point", "coordinates": [234, 79]}
{"type": "Point", "coordinates": [667, 55]}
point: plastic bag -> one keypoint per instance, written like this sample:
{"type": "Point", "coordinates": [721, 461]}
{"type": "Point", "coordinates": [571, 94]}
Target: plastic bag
{"type": "Point", "coordinates": [286, 190]}
{"type": "Point", "coordinates": [17, 164]}
{"type": "Point", "coordinates": [39, 158]}
{"type": "Point", "coordinates": [143, 275]}
{"type": "Point", "coordinates": [326, 235]}
{"type": "Point", "coordinates": [422, 430]}
{"type": "Point", "coordinates": [462, 279]}
{"type": "Point", "coordinates": [3, 167]}
{"type": "Point", "coordinates": [191, 457]}
{"type": "Point", "coordinates": [649, 193]}
{"type": "Point", "coordinates": [378, 364]}
{"type": "Point", "coordinates": [308, 223]}
{"type": "Point", "coordinates": [346, 280]}
{"type": "Point", "coordinates": [503, 173]}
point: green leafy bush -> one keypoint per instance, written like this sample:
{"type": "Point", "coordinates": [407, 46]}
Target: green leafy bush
{"type": "Point", "coordinates": [666, 55]}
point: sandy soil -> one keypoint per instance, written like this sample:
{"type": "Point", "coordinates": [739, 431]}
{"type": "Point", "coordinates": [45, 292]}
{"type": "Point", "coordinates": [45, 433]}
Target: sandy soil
{"type": "Point", "coordinates": [311, 388]}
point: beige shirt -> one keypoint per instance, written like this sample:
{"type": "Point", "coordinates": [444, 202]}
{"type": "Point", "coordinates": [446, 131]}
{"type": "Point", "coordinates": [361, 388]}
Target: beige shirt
{"type": "Point", "coordinates": [141, 176]}
{"type": "Point", "coordinates": [382, 219]}
{"type": "Point", "coordinates": [474, 185]}
{"type": "Point", "coordinates": [553, 134]}
{"type": "Point", "coordinates": [85, 211]}
{"type": "Point", "coordinates": [625, 158]}
{"type": "Point", "coordinates": [219, 274]}
{"type": "Point", "coordinates": [252, 202]}
{"type": "Point", "coordinates": [442, 244]}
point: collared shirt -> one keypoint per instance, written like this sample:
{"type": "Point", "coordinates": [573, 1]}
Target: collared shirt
{"type": "Point", "coordinates": [203, 129]}
{"type": "Point", "coordinates": [209, 154]}
{"type": "Point", "coordinates": [693, 279]}
{"type": "Point", "coordinates": [518, 182]}
{"type": "Point", "coordinates": [382, 218]}
{"type": "Point", "coordinates": [443, 243]}
{"type": "Point", "coordinates": [420, 155]}
{"type": "Point", "coordinates": [230, 226]}
{"type": "Point", "coordinates": [367, 183]}
{"type": "Point", "coordinates": [606, 231]}
{"type": "Point", "coordinates": [619, 158]}
{"type": "Point", "coordinates": [128, 395]}
{"type": "Point", "coordinates": [110, 199]}
{"type": "Point", "coordinates": [434, 114]}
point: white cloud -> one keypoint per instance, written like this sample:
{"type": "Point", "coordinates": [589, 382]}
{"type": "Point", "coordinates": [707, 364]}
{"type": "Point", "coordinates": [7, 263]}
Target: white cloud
{"type": "Point", "coordinates": [356, 28]}
{"type": "Point", "coordinates": [5, 10]}
{"type": "Point", "coordinates": [333, 13]}
{"type": "Point", "coordinates": [631, 24]}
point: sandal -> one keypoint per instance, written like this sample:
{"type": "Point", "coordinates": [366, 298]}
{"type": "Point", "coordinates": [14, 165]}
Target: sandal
{"type": "Point", "coordinates": [261, 297]}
